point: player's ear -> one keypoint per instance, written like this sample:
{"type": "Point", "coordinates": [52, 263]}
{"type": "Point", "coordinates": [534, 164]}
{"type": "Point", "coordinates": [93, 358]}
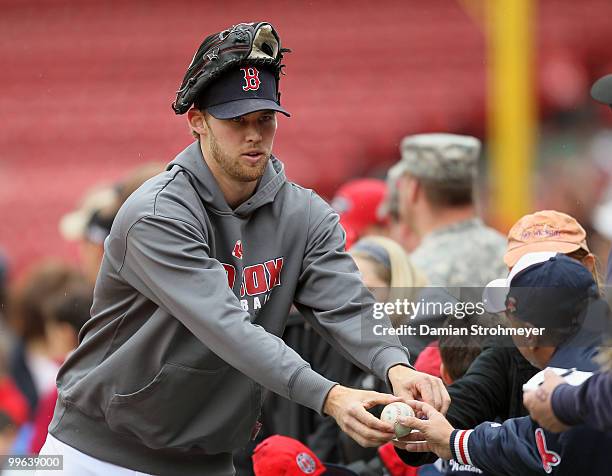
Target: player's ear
{"type": "Point", "coordinates": [414, 189]}
{"type": "Point", "coordinates": [197, 122]}
{"type": "Point", "coordinates": [408, 184]}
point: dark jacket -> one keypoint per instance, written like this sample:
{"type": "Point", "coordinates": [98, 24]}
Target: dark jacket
{"type": "Point", "coordinates": [520, 446]}
{"type": "Point", "coordinates": [492, 388]}
{"type": "Point", "coordinates": [589, 403]}
{"type": "Point", "coordinates": [19, 370]}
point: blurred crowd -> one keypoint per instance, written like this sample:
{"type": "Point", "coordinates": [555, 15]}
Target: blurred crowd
{"type": "Point", "coordinates": [43, 311]}
{"type": "Point", "coordinates": [421, 227]}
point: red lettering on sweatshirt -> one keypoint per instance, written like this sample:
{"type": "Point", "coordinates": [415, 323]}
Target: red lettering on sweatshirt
{"type": "Point", "coordinates": [255, 281]}
{"type": "Point", "coordinates": [231, 274]}
{"type": "Point", "coordinates": [274, 267]}
{"type": "Point", "coordinates": [258, 278]}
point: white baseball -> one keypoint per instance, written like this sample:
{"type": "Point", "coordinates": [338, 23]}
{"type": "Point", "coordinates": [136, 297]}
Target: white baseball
{"type": "Point", "coordinates": [392, 412]}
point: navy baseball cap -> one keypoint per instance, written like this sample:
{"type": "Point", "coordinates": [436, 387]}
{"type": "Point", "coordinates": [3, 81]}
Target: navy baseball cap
{"type": "Point", "coordinates": [241, 91]}
{"type": "Point", "coordinates": [551, 293]}
{"type": "Point", "coordinates": [602, 90]}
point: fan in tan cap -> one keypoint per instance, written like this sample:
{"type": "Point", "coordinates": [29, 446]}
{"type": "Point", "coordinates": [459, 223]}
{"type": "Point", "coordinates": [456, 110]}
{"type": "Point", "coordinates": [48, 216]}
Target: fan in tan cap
{"type": "Point", "coordinates": [546, 230]}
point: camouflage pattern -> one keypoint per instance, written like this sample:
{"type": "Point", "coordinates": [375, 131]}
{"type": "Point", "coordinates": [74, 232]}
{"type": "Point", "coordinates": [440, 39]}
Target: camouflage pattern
{"type": "Point", "coordinates": [441, 157]}
{"type": "Point", "coordinates": [466, 253]}
{"type": "Point", "coordinates": [602, 90]}
{"type": "Point", "coordinates": [390, 205]}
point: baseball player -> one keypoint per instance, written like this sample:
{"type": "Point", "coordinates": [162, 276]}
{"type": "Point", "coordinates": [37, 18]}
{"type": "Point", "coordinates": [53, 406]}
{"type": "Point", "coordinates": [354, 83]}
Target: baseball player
{"type": "Point", "coordinates": [200, 269]}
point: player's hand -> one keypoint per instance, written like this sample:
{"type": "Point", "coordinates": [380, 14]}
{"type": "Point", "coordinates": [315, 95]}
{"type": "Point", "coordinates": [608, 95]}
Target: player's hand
{"type": "Point", "coordinates": [349, 407]}
{"type": "Point", "coordinates": [539, 404]}
{"type": "Point", "coordinates": [433, 432]}
{"type": "Point", "coordinates": [412, 385]}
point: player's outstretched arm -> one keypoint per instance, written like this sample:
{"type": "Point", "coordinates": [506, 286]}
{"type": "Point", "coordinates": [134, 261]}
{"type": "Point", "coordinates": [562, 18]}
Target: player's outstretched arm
{"type": "Point", "coordinates": [349, 407]}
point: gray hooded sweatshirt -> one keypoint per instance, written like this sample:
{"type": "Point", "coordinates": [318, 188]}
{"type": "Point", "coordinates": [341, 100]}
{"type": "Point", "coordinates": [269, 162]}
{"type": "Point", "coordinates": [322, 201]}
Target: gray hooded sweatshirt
{"type": "Point", "coordinates": [189, 306]}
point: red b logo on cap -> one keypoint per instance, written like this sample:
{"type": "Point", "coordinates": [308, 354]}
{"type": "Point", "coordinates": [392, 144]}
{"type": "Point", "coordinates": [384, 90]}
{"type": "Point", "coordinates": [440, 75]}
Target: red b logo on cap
{"type": "Point", "coordinates": [251, 78]}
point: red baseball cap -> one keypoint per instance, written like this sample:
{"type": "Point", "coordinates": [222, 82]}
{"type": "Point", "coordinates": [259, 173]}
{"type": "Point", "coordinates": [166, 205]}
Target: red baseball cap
{"type": "Point", "coordinates": [357, 204]}
{"type": "Point", "coordinates": [283, 456]}
{"type": "Point", "coordinates": [12, 402]}
{"type": "Point", "coordinates": [429, 360]}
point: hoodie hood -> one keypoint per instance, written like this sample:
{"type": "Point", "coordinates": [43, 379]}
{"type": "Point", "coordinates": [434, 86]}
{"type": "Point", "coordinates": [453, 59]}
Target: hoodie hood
{"type": "Point", "coordinates": [192, 161]}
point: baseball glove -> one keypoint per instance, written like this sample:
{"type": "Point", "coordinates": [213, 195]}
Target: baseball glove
{"type": "Point", "coordinates": [252, 43]}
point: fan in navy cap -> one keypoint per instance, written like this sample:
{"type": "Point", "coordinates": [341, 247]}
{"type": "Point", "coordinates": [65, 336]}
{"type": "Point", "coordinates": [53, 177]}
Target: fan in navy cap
{"type": "Point", "coordinates": [519, 446]}
{"type": "Point", "coordinates": [546, 290]}
{"type": "Point", "coordinates": [241, 91]}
